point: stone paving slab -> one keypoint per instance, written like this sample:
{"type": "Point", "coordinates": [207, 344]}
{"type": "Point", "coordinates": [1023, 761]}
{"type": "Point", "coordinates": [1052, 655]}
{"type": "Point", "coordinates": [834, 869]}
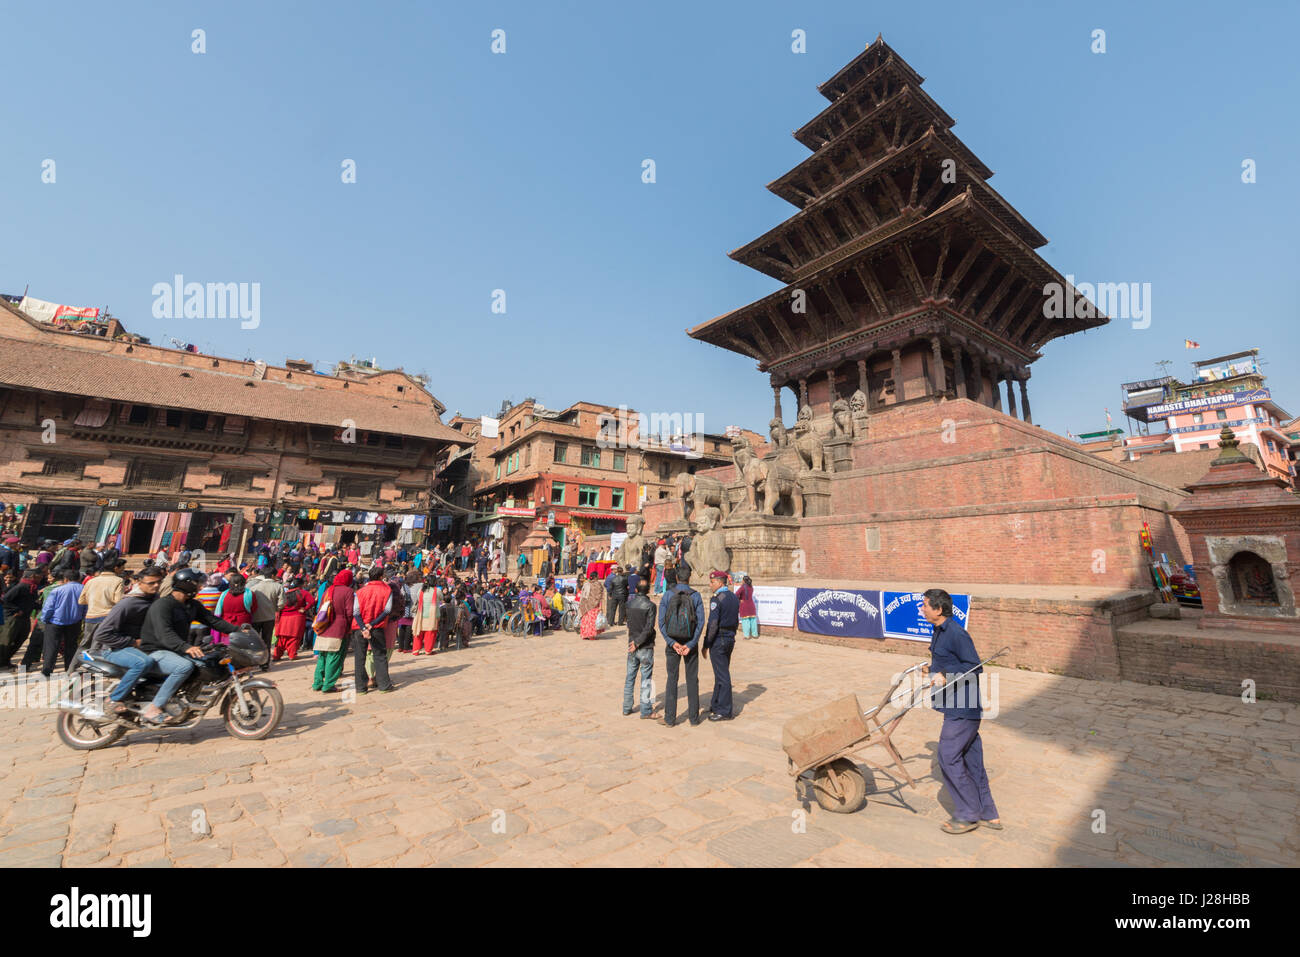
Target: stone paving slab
{"type": "Point", "coordinates": [515, 753]}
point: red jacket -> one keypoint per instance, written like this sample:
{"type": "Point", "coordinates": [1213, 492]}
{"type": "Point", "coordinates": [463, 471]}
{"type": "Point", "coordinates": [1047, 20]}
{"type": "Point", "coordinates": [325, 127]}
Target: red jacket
{"type": "Point", "coordinates": [374, 599]}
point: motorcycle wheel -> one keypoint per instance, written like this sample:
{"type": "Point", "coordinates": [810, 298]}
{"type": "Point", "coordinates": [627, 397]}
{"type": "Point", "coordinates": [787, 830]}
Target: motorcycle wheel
{"type": "Point", "coordinates": [267, 710]}
{"type": "Point", "coordinates": [81, 734]}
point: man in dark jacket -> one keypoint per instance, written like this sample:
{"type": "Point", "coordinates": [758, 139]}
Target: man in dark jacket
{"type": "Point", "coordinates": [165, 637]}
{"type": "Point", "coordinates": [616, 586]}
{"type": "Point", "coordinates": [119, 632]}
{"type": "Point", "coordinates": [719, 642]}
{"type": "Point", "coordinates": [640, 648]}
{"type": "Point", "coordinates": [681, 632]}
{"type": "Point", "coordinates": [955, 668]}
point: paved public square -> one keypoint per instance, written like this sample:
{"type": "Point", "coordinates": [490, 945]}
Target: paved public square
{"type": "Point", "coordinates": [515, 752]}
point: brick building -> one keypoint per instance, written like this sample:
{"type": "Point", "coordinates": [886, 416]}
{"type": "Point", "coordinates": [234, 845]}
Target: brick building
{"type": "Point", "coordinates": [583, 469]}
{"type": "Point", "coordinates": [1172, 416]}
{"type": "Point", "coordinates": [103, 438]}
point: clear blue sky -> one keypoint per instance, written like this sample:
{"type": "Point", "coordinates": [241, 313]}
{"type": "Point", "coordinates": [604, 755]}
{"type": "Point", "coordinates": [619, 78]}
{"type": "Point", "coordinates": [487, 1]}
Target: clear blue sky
{"type": "Point", "coordinates": [523, 172]}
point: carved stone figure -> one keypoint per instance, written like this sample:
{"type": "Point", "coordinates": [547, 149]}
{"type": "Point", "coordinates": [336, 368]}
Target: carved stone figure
{"type": "Point", "coordinates": [695, 491]}
{"type": "Point", "coordinates": [776, 430]}
{"type": "Point", "coordinates": [709, 548]}
{"type": "Point", "coordinates": [629, 553]}
{"type": "Point", "coordinates": [805, 415]}
{"type": "Point", "coordinates": [843, 419]}
{"type": "Point", "coordinates": [810, 444]}
{"type": "Point", "coordinates": [858, 403]}
{"type": "Point", "coordinates": [766, 480]}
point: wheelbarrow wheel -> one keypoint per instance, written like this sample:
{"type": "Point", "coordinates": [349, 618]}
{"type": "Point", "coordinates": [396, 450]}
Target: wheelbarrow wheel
{"type": "Point", "coordinates": [839, 786]}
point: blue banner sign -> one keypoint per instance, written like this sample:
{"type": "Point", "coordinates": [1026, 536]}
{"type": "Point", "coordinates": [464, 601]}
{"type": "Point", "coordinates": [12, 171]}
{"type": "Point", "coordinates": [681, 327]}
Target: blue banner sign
{"type": "Point", "coordinates": [1210, 402]}
{"type": "Point", "coordinates": [849, 614]}
{"type": "Point", "coordinates": [903, 618]}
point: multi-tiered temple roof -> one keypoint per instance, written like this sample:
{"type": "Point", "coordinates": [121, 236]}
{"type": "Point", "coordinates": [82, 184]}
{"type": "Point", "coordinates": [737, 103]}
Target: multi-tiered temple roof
{"type": "Point", "coordinates": [915, 276]}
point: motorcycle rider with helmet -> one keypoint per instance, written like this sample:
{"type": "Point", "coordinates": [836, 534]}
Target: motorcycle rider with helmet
{"type": "Point", "coordinates": [164, 637]}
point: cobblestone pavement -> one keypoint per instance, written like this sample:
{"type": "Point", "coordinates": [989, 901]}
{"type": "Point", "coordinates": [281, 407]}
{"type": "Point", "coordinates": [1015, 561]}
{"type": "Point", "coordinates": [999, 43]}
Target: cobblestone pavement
{"type": "Point", "coordinates": [515, 752]}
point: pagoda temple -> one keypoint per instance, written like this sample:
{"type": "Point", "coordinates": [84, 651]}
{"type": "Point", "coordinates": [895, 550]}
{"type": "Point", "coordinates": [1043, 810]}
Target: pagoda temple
{"type": "Point", "coordinates": [907, 276]}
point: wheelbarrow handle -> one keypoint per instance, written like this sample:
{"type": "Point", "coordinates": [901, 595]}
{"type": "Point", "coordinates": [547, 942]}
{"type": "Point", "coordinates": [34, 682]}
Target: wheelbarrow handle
{"type": "Point", "coordinates": [1005, 650]}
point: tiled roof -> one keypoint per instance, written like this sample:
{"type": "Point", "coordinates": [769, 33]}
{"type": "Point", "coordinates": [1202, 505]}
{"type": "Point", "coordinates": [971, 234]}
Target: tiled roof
{"type": "Point", "coordinates": [51, 367]}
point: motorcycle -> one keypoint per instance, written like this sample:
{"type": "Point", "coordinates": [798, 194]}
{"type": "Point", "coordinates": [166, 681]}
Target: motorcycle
{"type": "Point", "coordinates": [225, 678]}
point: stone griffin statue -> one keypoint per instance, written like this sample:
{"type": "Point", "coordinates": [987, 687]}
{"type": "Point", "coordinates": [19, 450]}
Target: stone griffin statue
{"type": "Point", "coordinates": [776, 431]}
{"type": "Point", "coordinates": [809, 442]}
{"type": "Point", "coordinates": [844, 425]}
{"type": "Point", "coordinates": [709, 548]}
{"type": "Point", "coordinates": [766, 478]}
{"type": "Point", "coordinates": [694, 491]}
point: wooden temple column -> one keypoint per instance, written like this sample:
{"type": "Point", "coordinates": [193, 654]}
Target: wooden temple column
{"type": "Point", "coordinates": [830, 381]}
{"type": "Point", "coordinates": [862, 376]}
{"type": "Point", "coordinates": [776, 398]}
{"type": "Point", "coordinates": [958, 371]}
{"type": "Point", "coordinates": [979, 378]}
{"type": "Point", "coordinates": [995, 376]}
{"type": "Point", "coordinates": [898, 376]}
{"type": "Point", "coordinates": [1011, 396]}
{"type": "Point", "coordinates": [1024, 402]}
{"type": "Point", "coordinates": [803, 395]}
{"type": "Point", "coordinates": [940, 378]}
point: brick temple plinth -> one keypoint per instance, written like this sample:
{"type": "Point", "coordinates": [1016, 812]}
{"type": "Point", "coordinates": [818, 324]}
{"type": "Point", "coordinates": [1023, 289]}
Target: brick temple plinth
{"type": "Point", "coordinates": [1244, 530]}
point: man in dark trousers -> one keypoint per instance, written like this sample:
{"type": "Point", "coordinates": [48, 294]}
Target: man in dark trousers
{"type": "Point", "coordinates": [640, 649]}
{"type": "Point", "coordinates": [616, 585]}
{"type": "Point", "coordinates": [724, 619]}
{"type": "Point", "coordinates": [961, 755]}
{"type": "Point", "coordinates": [681, 622]}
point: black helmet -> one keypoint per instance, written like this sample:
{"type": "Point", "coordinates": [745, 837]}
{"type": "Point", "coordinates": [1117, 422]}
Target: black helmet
{"type": "Point", "coordinates": [188, 580]}
{"type": "Point", "coordinates": [247, 648]}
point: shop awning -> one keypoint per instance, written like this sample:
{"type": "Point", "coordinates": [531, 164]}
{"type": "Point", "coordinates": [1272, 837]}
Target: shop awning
{"type": "Point", "coordinates": [622, 515]}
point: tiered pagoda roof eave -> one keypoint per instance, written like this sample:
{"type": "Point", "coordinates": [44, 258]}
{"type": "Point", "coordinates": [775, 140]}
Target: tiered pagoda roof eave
{"type": "Point", "coordinates": [877, 51]}
{"type": "Point", "coordinates": [752, 254]}
{"type": "Point", "coordinates": [788, 186]}
{"type": "Point", "coordinates": [965, 208]}
{"type": "Point", "coordinates": [809, 134]}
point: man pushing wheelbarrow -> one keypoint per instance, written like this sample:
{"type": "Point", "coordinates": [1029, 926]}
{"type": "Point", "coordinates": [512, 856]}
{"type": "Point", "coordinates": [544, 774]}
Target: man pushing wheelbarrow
{"type": "Point", "coordinates": [821, 740]}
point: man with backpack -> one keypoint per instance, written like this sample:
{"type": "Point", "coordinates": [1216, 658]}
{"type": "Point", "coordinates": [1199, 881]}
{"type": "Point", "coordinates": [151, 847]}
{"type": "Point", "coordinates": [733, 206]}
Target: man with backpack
{"type": "Point", "coordinates": [681, 621]}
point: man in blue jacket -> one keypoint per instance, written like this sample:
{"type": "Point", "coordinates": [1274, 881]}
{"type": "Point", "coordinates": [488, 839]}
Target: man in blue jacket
{"type": "Point", "coordinates": [681, 622]}
{"type": "Point", "coordinates": [62, 616]}
{"type": "Point", "coordinates": [961, 755]}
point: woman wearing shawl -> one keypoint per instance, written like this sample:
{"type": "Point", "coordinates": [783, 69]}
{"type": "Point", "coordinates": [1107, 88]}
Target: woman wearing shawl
{"type": "Point", "coordinates": [593, 597]}
{"type": "Point", "coordinates": [424, 617]}
{"type": "Point", "coordinates": [330, 641]}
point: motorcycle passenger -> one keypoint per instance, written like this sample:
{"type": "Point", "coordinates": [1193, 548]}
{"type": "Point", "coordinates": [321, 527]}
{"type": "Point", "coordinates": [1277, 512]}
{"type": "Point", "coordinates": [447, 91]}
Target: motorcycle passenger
{"type": "Point", "coordinates": [165, 637]}
{"type": "Point", "coordinates": [119, 633]}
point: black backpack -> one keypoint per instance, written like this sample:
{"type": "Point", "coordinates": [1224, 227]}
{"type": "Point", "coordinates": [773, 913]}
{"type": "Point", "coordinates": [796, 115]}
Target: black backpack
{"type": "Point", "coordinates": [680, 622]}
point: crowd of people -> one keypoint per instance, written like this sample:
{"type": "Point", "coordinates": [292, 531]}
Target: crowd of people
{"type": "Point", "coordinates": [398, 599]}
